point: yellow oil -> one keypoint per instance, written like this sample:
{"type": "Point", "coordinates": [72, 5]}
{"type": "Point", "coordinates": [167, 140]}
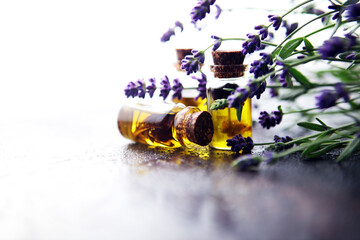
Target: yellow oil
{"type": "Point", "coordinates": [226, 125]}
{"type": "Point", "coordinates": [188, 99]}
{"type": "Point", "coordinates": [148, 126]}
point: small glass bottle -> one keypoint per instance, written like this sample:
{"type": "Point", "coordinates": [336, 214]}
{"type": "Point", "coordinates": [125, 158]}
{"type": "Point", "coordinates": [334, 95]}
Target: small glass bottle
{"type": "Point", "coordinates": [166, 124]}
{"type": "Point", "coordinates": [228, 72]}
{"type": "Point", "coordinates": [190, 92]}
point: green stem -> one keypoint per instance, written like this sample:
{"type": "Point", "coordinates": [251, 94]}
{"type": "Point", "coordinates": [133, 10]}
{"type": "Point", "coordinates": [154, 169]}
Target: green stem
{"type": "Point", "coordinates": [244, 39]}
{"type": "Point", "coordinates": [297, 6]}
{"type": "Point", "coordinates": [299, 28]}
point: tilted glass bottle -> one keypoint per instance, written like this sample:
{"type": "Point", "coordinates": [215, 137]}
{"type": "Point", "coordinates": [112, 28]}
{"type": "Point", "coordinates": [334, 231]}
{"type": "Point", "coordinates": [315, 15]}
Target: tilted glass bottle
{"type": "Point", "coordinates": [228, 72]}
{"type": "Point", "coordinates": [189, 93]}
{"type": "Point", "coordinates": [165, 124]}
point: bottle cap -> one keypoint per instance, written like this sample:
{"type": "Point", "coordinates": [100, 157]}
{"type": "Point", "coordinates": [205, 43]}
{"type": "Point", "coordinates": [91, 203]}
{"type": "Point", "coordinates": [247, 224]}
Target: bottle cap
{"type": "Point", "coordinates": [196, 126]}
{"type": "Point", "coordinates": [200, 128]}
{"type": "Point", "coordinates": [228, 64]}
{"type": "Point", "coordinates": [225, 57]}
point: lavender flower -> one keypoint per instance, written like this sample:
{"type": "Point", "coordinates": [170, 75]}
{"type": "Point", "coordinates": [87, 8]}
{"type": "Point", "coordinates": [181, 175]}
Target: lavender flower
{"type": "Point", "coordinates": [263, 31]}
{"type": "Point", "coordinates": [351, 56]}
{"type": "Point", "coordinates": [260, 67]}
{"type": "Point", "coordinates": [334, 46]}
{"type": "Point", "coordinates": [171, 32]}
{"type": "Point", "coordinates": [326, 99]}
{"type": "Point", "coordinates": [276, 21]}
{"type": "Point", "coordinates": [201, 86]}
{"type": "Point", "coordinates": [342, 92]}
{"type": "Point", "coordinates": [179, 25]}
{"type": "Point", "coordinates": [247, 162]}
{"type": "Point", "coordinates": [353, 12]}
{"type": "Point", "coordinates": [238, 143]}
{"type": "Point", "coordinates": [238, 98]}
{"type": "Point", "coordinates": [280, 143]}
{"type": "Point", "coordinates": [177, 88]}
{"type": "Point", "coordinates": [217, 42]}
{"type": "Point", "coordinates": [269, 157]}
{"type": "Point", "coordinates": [337, 8]}
{"type": "Point", "coordinates": [289, 27]}
{"type": "Point", "coordinates": [164, 91]}
{"type": "Point", "coordinates": [270, 120]}
{"type": "Point", "coordinates": [252, 44]}
{"type": "Point", "coordinates": [218, 11]}
{"type": "Point", "coordinates": [141, 88]}
{"type": "Point", "coordinates": [191, 63]}
{"type": "Point", "coordinates": [152, 87]}
{"type": "Point", "coordinates": [131, 90]}
{"type": "Point", "coordinates": [256, 88]}
{"type": "Point", "coordinates": [200, 10]}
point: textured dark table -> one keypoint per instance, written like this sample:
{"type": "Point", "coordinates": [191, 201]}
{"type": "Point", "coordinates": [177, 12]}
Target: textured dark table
{"type": "Point", "coordinates": [65, 178]}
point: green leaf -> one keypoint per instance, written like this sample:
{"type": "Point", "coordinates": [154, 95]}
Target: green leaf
{"type": "Point", "coordinates": [325, 150]}
{"type": "Point", "coordinates": [238, 112]}
{"type": "Point", "coordinates": [219, 104]}
{"type": "Point", "coordinates": [342, 74]}
{"type": "Point", "coordinates": [313, 126]}
{"type": "Point", "coordinates": [350, 149]}
{"type": "Point", "coordinates": [321, 122]}
{"type": "Point", "coordinates": [300, 78]}
{"type": "Point", "coordinates": [309, 46]}
{"type": "Point", "coordinates": [289, 47]}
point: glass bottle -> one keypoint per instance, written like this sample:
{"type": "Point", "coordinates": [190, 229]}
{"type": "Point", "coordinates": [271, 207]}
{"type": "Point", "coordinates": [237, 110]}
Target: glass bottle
{"type": "Point", "coordinates": [189, 93]}
{"type": "Point", "coordinates": [228, 72]}
{"type": "Point", "coordinates": [166, 124]}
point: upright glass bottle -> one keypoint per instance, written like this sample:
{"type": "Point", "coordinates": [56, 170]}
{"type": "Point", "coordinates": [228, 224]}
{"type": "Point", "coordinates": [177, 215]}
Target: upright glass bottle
{"type": "Point", "coordinates": [189, 93]}
{"type": "Point", "coordinates": [228, 72]}
{"type": "Point", "coordinates": [166, 124]}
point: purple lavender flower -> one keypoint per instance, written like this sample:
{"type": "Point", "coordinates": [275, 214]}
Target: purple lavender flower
{"type": "Point", "coordinates": [326, 99]}
{"type": "Point", "coordinates": [152, 87]}
{"type": "Point", "coordinates": [177, 88]}
{"type": "Point", "coordinates": [270, 120]}
{"type": "Point", "coordinates": [247, 162]}
{"type": "Point", "coordinates": [201, 9]}
{"type": "Point", "coordinates": [337, 8]}
{"type": "Point", "coordinates": [164, 91]}
{"type": "Point", "coordinates": [289, 27]}
{"type": "Point", "coordinates": [263, 31]}
{"type": "Point", "coordinates": [179, 25]}
{"type": "Point", "coordinates": [141, 88]}
{"type": "Point", "coordinates": [191, 63]}
{"type": "Point", "coordinates": [252, 44]}
{"type": "Point", "coordinates": [334, 46]}
{"type": "Point", "coordinates": [352, 39]}
{"type": "Point", "coordinates": [269, 157]}
{"type": "Point", "coordinates": [351, 56]}
{"type": "Point", "coordinates": [256, 88]}
{"type": "Point", "coordinates": [238, 98]}
{"type": "Point", "coordinates": [282, 77]}
{"type": "Point", "coordinates": [218, 11]}
{"type": "Point", "coordinates": [260, 67]}
{"type": "Point", "coordinates": [342, 92]}
{"type": "Point", "coordinates": [167, 35]}
{"type": "Point", "coordinates": [276, 21]}
{"type": "Point", "coordinates": [217, 42]}
{"type": "Point", "coordinates": [238, 143]}
{"type": "Point", "coordinates": [171, 32]}
{"type": "Point", "coordinates": [280, 143]}
{"type": "Point", "coordinates": [131, 90]}
{"type": "Point", "coordinates": [353, 12]}
{"type": "Point", "coordinates": [201, 86]}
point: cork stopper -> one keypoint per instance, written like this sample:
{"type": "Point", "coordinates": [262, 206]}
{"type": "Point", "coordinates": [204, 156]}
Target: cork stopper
{"type": "Point", "coordinates": [200, 128]}
{"type": "Point", "coordinates": [228, 64]}
{"type": "Point", "coordinates": [194, 125]}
